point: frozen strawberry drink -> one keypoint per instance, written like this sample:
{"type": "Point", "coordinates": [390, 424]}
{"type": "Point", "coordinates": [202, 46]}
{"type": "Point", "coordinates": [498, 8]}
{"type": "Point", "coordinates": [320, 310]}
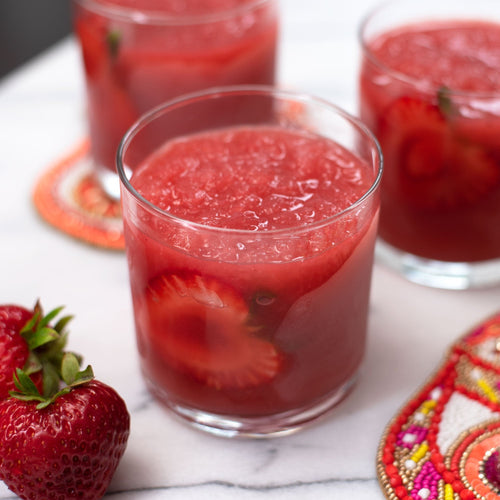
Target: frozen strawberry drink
{"type": "Point", "coordinates": [250, 248]}
{"type": "Point", "coordinates": [430, 91]}
{"type": "Point", "coordinates": [139, 53]}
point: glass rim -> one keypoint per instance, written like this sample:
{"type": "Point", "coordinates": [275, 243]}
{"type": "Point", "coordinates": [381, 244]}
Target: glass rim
{"type": "Point", "coordinates": [137, 16]}
{"type": "Point", "coordinates": [247, 90]}
{"type": "Point", "coordinates": [403, 77]}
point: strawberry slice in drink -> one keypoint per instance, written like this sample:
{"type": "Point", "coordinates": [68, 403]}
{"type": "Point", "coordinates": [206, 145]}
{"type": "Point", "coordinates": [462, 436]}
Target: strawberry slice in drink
{"type": "Point", "coordinates": [111, 110]}
{"type": "Point", "coordinates": [433, 168]}
{"type": "Point", "coordinates": [199, 327]}
{"type": "Point", "coordinates": [92, 33]}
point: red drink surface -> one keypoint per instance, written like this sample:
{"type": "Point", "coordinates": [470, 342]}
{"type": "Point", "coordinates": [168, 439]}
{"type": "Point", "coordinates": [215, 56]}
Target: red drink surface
{"type": "Point", "coordinates": [253, 178]}
{"type": "Point", "coordinates": [261, 322]}
{"type": "Point", "coordinates": [132, 67]}
{"type": "Point", "coordinates": [433, 101]}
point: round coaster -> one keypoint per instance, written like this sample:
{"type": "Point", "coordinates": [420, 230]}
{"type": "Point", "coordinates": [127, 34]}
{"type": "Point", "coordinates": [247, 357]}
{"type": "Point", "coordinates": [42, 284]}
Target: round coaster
{"type": "Point", "coordinates": [444, 444]}
{"type": "Point", "coordinates": [68, 197]}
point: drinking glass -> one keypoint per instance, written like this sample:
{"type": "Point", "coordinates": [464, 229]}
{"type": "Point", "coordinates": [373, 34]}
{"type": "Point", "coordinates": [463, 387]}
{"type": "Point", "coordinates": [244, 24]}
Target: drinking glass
{"type": "Point", "coordinates": [138, 54]}
{"type": "Point", "coordinates": [251, 322]}
{"type": "Point", "coordinates": [430, 92]}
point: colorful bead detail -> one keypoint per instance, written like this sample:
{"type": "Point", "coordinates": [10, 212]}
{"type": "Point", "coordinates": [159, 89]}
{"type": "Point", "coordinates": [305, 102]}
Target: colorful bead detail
{"type": "Point", "coordinates": [444, 444]}
{"type": "Point", "coordinates": [415, 434]}
{"type": "Point", "coordinates": [426, 483]}
{"type": "Point", "coordinates": [68, 197]}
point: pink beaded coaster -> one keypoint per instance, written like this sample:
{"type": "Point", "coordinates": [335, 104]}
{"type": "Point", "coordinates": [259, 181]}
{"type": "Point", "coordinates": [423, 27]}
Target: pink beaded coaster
{"type": "Point", "coordinates": [444, 444]}
{"type": "Point", "coordinates": [68, 197]}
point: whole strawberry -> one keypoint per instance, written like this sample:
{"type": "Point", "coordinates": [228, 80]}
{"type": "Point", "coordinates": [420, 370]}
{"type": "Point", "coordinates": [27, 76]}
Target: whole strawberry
{"type": "Point", "coordinates": [67, 441]}
{"type": "Point", "coordinates": [64, 447]}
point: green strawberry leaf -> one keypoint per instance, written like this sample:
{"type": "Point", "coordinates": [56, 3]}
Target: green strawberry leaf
{"type": "Point", "coordinates": [71, 373]}
{"type": "Point", "coordinates": [24, 383]}
{"type": "Point", "coordinates": [33, 364]}
{"type": "Point", "coordinates": [69, 368]}
{"type": "Point", "coordinates": [61, 324]}
{"type": "Point", "coordinates": [40, 337]}
{"type": "Point", "coordinates": [28, 327]}
{"type": "Point", "coordinates": [54, 350]}
{"type": "Point", "coordinates": [49, 317]}
{"type": "Point", "coordinates": [51, 380]}
{"type": "Point", "coordinates": [37, 333]}
{"type": "Point", "coordinates": [26, 389]}
{"type": "Point", "coordinates": [84, 376]}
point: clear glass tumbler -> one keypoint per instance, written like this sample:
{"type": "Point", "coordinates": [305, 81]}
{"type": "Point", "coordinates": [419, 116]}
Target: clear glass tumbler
{"type": "Point", "coordinates": [250, 228]}
{"type": "Point", "coordinates": [140, 53]}
{"type": "Point", "coordinates": [430, 91]}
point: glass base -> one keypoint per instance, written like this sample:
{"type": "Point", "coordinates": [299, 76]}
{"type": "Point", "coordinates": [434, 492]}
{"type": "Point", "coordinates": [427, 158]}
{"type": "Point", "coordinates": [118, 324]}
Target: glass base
{"type": "Point", "coordinates": [109, 182]}
{"type": "Point", "coordinates": [269, 426]}
{"type": "Point", "coordinates": [439, 274]}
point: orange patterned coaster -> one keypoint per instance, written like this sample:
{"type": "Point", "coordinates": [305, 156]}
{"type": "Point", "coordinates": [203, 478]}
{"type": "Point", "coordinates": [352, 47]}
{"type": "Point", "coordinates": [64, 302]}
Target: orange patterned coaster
{"type": "Point", "coordinates": [68, 197]}
{"type": "Point", "coordinates": [445, 443]}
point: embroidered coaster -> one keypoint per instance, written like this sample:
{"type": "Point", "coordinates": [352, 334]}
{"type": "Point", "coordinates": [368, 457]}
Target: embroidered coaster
{"type": "Point", "coordinates": [445, 442]}
{"type": "Point", "coordinates": [68, 197]}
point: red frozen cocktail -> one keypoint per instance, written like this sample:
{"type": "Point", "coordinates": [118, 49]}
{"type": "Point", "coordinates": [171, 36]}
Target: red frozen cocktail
{"type": "Point", "coordinates": [430, 91]}
{"type": "Point", "coordinates": [140, 53]}
{"type": "Point", "coordinates": [250, 254]}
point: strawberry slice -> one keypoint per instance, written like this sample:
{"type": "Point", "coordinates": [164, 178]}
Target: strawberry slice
{"type": "Point", "coordinates": [100, 45]}
{"type": "Point", "coordinates": [199, 326]}
{"type": "Point", "coordinates": [425, 159]}
{"type": "Point", "coordinates": [92, 35]}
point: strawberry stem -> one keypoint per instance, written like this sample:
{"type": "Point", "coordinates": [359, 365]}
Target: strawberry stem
{"type": "Point", "coordinates": [445, 103]}
{"type": "Point", "coordinates": [113, 39]}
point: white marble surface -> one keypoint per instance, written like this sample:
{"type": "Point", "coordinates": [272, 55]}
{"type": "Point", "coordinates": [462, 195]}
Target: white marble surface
{"type": "Point", "coordinates": [41, 117]}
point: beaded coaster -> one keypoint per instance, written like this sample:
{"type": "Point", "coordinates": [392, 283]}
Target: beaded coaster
{"type": "Point", "coordinates": [445, 443]}
{"type": "Point", "coordinates": [68, 197]}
